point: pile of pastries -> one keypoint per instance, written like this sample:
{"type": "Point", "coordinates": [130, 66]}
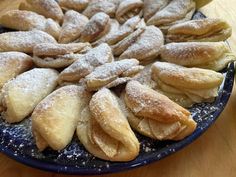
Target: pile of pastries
{"type": "Point", "coordinates": [100, 67]}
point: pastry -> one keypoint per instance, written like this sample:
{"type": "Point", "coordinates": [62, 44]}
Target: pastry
{"type": "Point", "coordinates": [22, 94]}
{"type": "Point", "coordinates": [147, 45]}
{"type": "Point", "coordinates": [205, 30]}
{"type": "Point", "coordinates": [98, 26]}
{"type": "Point", "coordinates": [110, 74]}
{"type": "Point", "coordinates": [23, 41]}
{"type": "Point", "coordinates": [48, 8]}
{"type": "Point", "coordinates": [209, 55]}
{"type": "Point", "coordinates": [198, 84]}
{"type": "Point", "coordinates": [86, 64]}
{"type": "Point", "coordinates": [55, 118]}
{"type": "Point", "coordinates": [29, 21]}
{"type": "Point", "coordinates": [77, 5]}
{"type": "Point", "coordinates": [176, 11]}
{"type": "Point", "coordinates": [107, 6]}
{"type": "Point", "coordinates": [128, 9]}
{"type": "Point", "coordinates": [73, 25]}
{"type": "Point", "coordinates": [104, 130]}
{"type": "Point", "coordinates": [58, 55]}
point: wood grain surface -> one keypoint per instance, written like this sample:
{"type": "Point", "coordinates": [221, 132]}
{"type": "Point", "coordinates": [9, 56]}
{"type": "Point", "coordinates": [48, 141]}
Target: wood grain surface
{"type": "Point", "coordinates": [212, 155]}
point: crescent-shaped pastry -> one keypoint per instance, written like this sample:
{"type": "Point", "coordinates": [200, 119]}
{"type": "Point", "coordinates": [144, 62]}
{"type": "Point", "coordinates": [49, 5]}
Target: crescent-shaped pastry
{"type": "Point", "coordinates": [77, 5]}
{"type": "Point", "coordinates": [55, 118]}
{"type": "Point", "coordinates": [109, 73]}
{"type": "Point", "coordinates": [104, 130]}
{"type": "Point", "coordinates": [174, 12]}
{"type": "Point", "coordinates": [25, 21]}
{"type": "Point", "coordinates": [209, 55]}
{"type": "Point", "coordinates": [21, 95]}
{"type": "Point", "coordinates": [155, 115]}
{"type": "Point", "coordinates": [58, 55]}
{"type": "Point", "coordinates": [73, 25]}
{"type": "Point", "coordinates": [98, 26]}
{"type": "Point", "coordinates": [147, 45]}
{"type": "Point", "coordinates": [198, 84]}
{"type": "Point", "coordinates": [107, 6]}
{"type": "Point", "coordinates": [48, 8]}
{"type": "Point", "coordinates": [23, 41]}
{"type": "Point", "coordinates": [128, 9]}
{"type": "Point", "coordinates": [205, 30]}
{"type": "Point", "coordinates": [87, 63]}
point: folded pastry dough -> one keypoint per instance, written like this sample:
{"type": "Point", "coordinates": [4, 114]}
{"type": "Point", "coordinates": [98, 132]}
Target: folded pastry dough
{"type": "Point", "coordinates": [128, 9]}
{"type": "Point", "coordinates": [209, 55]}
{"type": "Point", "coordinates": [73, 25]}
{"type": "Point", "coordinates": [86, 63]}
{"type": "Point", "coordinates": [104, 130]}
{"type": "Point", "coordinates": [147, 45]}
{"type": "Point", "coordinates": [55, 118]}
{"type": "Point", "coordinates": [205, 30]}
{"type": "Point", "coordinates": [198, 84]}
{"type": "Point", "coordinates": [25, 21]}
{"type": "Point", "coordinates": [112, 74]}
{"type": "Point", "coordinates": [77, 5]}
{"type": "Point", "coordinates": [23, 41]}
{"type": "Point", "coordinates": [176, 11]}
{"type": "Point", "coordinates": [48, 8]}
{"type": "Point", "coordinates": [155, 115]}
{"type": "Point", "coordinates": [98, 26]}
{"type": "Point", "coordinates": [21, 95]}
{"type": "Point", "coordinates": [58, 55]}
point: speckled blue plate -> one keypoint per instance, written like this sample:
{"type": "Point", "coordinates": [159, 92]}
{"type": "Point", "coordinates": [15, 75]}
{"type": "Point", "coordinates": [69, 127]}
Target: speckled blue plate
{"type": "Point", "coordinates": [17, 141]}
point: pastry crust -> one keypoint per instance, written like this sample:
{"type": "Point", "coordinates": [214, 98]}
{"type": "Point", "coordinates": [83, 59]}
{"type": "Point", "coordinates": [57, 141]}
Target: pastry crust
{"type": "Point", "coordinates": [21, 95]}
{"type": "Point", "coordinates": [105, 131]}
{"type": "Point", "coordinates": [55, 118]}
{"type": "Point", "coordinates": [23, 41]}
{"type": "Point", "coordinates": [77, 5]}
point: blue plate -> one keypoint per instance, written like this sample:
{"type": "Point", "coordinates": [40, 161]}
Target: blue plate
{"type": "Point", "coordinates": [17, 141]}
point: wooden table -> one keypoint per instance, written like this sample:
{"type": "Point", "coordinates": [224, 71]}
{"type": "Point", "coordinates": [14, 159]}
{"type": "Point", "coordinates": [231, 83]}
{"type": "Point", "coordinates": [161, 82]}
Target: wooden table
{"type": "Point", "coordinates": [212, 155]}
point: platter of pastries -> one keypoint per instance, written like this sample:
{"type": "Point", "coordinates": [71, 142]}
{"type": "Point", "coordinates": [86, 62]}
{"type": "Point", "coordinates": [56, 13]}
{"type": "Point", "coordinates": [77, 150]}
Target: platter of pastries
{"type": "Point", "coordinates": [100, 86]}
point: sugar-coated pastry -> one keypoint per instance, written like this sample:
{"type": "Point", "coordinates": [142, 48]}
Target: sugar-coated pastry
{"type": "Point", "coordinates": [77, 5]}
{"type": "Point", "coordinates": [48, 8]}
{"type": "Point", "coordinates": [86, 64]}
{"type": "Point", "coordinates": [104, 130]}
{"type": "Point", "coordinates": [128, 9]}
{"type": "Point", "coordinates": [72, 26]}
{"type": "Point", "coordinates": [112, 74]}
{"type": "Point", "coordinates": [22, 94]}
{"type": "Point", "coordinates": [55, 118]}
{"type": "Point", "coordinates": [204, 30]}
{"type": "Point", "coordinates": [209, 55]}
{"type": "Point", "coordinates": [23, 41]}
{"type": "Point", "coordinates": [155, 115]}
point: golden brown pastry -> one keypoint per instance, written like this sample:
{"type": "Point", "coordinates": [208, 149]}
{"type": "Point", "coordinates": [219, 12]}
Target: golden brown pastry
{"type": "Point", "coordinates": [107, 6]}
{"type": "Point", "coordinates": [23, 41]}
{"type": "Point", "coordinates": [155, 115]}
{"type": "Point", "coordinates": [55, 118]}
{"type": "Point", "coordinates": [128, 9]}
{"type": "Point", "coordinates": [48, 8]}
{"type": "Point", "coordinates": [199, 85]}
{"type": "Point", "coordinates": [104, 130]}
{"type": "Point", "coordinates": [73, 25]}
{"type": "Point", "coordinates": [112, 74]}
{"type": "Point", "coordinates": [176, 11]}
{"type": "Point", "coordinates": [86, 64]}
{"type": "Point", "coordinates": [98, 26]}
{"type": "Point", "coordinates": [77, 5]}
{"type": "Point", "coordinates": [205, 30]}
{"type": "Point", "coordinates": [50, 55]}
{"type": "Point", "coordinates": [147, 45]}
{"type": "Point", "coordinates": [209, 55]}
{"type": "Point", "coordinates": [22, 94]}
{"type": "Point", "coordinates": [25, 21]}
